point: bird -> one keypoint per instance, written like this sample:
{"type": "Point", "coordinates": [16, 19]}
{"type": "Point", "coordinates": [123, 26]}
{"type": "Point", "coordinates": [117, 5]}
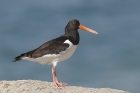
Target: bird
{"type": "Point", "coordinates": [58, 49]}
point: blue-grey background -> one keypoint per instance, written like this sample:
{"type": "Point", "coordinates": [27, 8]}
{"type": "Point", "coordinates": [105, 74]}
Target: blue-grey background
{"type": "Point", "coordinates": [110, 59]}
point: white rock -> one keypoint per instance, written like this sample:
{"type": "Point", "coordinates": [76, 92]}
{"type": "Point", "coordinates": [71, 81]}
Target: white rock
{"type": "Point", "coordinates": [35, 86]}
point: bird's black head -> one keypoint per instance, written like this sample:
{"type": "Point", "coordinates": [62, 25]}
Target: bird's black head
{"type": "Point", "coordinates": [73, 25]}
{"type": "Point", "coordinates": [71, 30]}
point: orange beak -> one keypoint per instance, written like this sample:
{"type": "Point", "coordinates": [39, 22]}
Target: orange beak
{"type": "Point", "coordinates": [87, 29]}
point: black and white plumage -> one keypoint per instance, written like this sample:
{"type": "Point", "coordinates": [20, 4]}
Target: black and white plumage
{"type": "Point", "coordinates": [58, 49]}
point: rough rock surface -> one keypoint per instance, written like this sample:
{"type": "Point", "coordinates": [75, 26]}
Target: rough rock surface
{"type": "Point", "coordinates": [35, 86]}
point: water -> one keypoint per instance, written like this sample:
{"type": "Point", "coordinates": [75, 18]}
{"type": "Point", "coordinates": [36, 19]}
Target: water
{"type": "Point", "coordinates": [107, 60]}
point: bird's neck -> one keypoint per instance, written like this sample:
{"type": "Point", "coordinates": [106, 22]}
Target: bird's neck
{"type": "Point", "coordinates": [73, 36]}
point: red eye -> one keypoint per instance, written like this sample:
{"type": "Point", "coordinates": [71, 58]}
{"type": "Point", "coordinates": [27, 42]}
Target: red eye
{"type": "Point", "coordinates": [74, 23]}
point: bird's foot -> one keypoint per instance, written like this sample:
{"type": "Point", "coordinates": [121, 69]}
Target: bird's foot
{"type": "Point", "coordinates": [60, 84]}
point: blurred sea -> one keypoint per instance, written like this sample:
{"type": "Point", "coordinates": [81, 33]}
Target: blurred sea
{"type": "Point", "coordinates": [110, 59]}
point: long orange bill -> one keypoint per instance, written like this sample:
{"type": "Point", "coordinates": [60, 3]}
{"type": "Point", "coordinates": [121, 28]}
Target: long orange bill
{"type": "Point", "coordinates": [87, 29]}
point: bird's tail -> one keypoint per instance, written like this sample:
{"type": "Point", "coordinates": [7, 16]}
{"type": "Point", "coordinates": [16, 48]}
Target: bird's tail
{"type": "Point", "coordinates": [18, 58]}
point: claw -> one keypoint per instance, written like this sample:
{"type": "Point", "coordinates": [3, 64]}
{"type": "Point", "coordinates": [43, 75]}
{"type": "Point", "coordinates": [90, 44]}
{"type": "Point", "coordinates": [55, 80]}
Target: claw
{"type": "Point", "coordinates": [60, 84]}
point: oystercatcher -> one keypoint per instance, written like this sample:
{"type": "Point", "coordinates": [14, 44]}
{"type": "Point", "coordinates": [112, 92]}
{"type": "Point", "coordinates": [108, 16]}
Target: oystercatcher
{"type": "Point", "coordinates": [58, 49]}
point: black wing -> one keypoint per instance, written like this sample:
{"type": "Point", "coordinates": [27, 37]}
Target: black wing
{"type": "Point", "coordinates": [54, 46]}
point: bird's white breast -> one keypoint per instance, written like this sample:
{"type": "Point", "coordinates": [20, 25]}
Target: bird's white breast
{"type": "Point", "coordinates": [55, 58]}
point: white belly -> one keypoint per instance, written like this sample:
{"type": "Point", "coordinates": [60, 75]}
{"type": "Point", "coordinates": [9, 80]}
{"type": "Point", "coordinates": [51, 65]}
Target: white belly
{"type": "Point", "coordinates": [55, 58]}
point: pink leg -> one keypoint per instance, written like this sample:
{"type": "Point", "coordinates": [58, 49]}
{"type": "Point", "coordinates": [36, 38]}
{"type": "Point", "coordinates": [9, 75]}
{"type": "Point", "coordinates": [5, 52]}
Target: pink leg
{"type": "Point", "coordinates": [55, 79]}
